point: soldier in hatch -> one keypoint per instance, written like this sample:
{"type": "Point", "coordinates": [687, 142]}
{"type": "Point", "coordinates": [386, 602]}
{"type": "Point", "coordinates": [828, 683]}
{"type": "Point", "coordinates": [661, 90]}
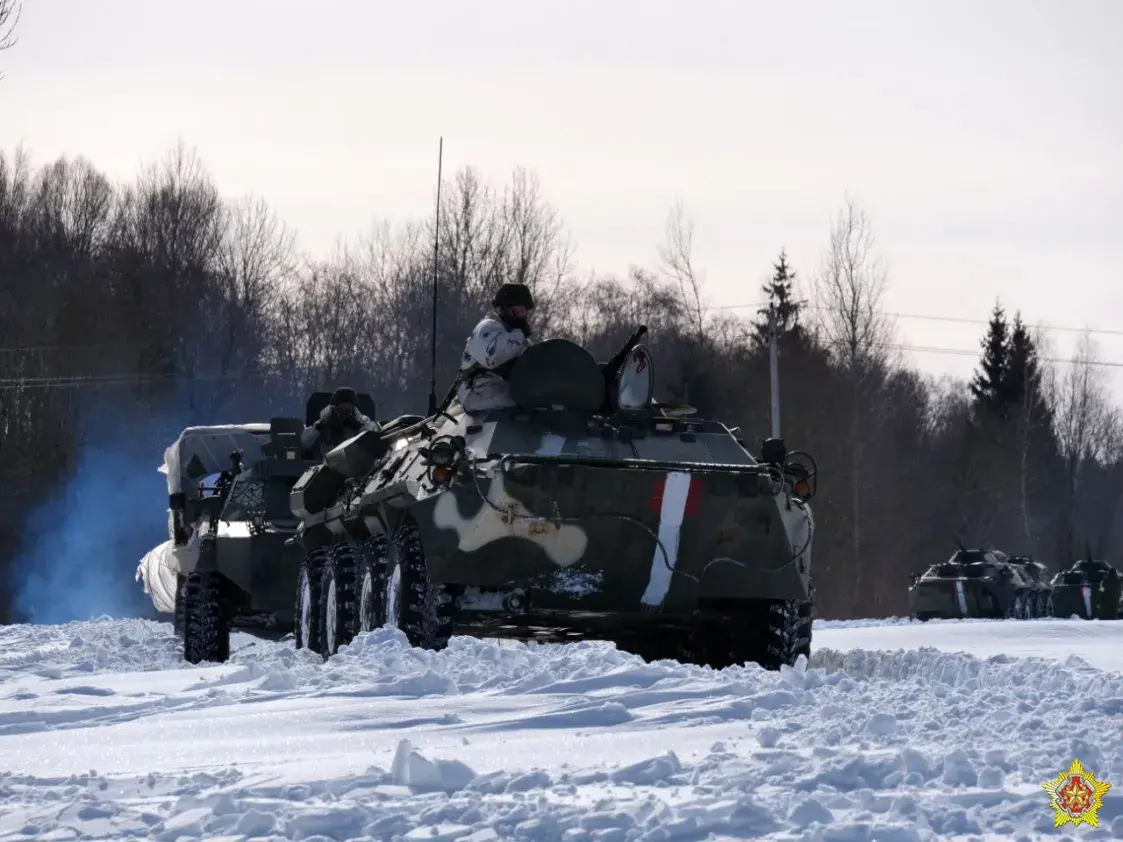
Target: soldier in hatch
{"type": "Point", "coordinates": [492, 349]}
{"type": "Point", "coordinates": [339, 421]}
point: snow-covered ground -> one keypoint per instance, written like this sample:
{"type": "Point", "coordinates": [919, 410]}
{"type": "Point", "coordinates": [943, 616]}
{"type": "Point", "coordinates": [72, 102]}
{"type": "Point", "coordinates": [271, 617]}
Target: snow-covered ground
{"type": "Point", "coordinates": [895, 731]}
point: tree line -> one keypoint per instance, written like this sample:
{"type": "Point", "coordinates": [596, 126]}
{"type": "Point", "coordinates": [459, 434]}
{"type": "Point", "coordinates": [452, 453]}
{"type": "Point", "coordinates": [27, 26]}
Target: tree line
{"type": "Point", "coordinates": [129, 311]}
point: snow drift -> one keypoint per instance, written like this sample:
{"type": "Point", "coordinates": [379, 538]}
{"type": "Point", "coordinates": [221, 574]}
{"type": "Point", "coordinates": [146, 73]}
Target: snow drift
{"type": "Point", "coordinates": [105, 733]}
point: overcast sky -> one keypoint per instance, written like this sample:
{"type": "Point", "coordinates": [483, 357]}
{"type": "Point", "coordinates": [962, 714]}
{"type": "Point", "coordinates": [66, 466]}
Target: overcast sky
{"type": "Point", "coordinates": [983, 137]}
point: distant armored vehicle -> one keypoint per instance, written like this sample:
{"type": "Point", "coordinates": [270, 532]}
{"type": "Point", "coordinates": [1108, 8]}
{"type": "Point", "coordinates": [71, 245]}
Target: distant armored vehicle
{"type": "Point", "coordinates": [1037, 574]}
{"type": "Point", "coordinates": [228, 536]}
{"type": "Point", "coordinates": [980, 583]}
{"type": "Point", "coordinates": [587, 510]}
{"type": "Point", "coordinates": [1090, 589]}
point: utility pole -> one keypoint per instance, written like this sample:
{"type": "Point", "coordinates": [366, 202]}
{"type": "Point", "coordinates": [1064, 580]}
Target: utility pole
{"type": "Point", "coordinates": [774, 370]}
{"type": "Point", "coordinates": [436, 257]}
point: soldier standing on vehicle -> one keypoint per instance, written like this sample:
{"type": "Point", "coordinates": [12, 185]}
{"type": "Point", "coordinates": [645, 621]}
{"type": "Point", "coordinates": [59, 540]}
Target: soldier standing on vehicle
{"type": "Point", "coordinates": [338, 421]}
{"type": "Point", "coordinates": [493, 348]}
{"type": "Point", "coordinates": [1110, 593]}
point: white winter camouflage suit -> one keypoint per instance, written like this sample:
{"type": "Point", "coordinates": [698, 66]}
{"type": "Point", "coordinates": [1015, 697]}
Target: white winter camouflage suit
{"type": "Point", "coordinates": [491, 345]}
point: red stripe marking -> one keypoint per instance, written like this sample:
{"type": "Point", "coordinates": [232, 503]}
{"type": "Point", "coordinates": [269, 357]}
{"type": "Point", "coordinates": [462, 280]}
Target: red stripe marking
{"type": "Point", "coordinates": [693, 496]}
{"type": "Point", "coordinates": [655, 504]}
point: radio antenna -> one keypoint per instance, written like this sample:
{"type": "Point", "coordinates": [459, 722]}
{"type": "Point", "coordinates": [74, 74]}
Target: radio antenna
{"type": "Point", "coordinates": [436, 253]}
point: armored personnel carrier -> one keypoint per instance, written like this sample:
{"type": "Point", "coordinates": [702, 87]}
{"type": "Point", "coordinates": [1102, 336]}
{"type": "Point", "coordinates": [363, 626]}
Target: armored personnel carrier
{"type": "Point", "coordinates": [980, 583]}
{"type": "Point", "coordinates": [228, 535]}
{"type": "Point", "coordinates": [587, 510]}
{"type": "Point", "coordinates": [1090, 589]}
{"type": "Point", "coordinates": [1036, 602]}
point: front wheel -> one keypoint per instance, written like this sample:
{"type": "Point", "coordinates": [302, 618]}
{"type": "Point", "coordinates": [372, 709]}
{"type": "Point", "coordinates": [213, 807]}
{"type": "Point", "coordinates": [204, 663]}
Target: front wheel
{"type": "Point", "coordinates": [307, 631]}
{"type": "Point", "coordinates": [1041, 605]}
{"type": "Point", "coordinates": [370, 589]}
{"type": "Point", "coordinates": [771, 633]}
{"type": "Point", "coordinates": [206, 620]}
{"type": "Point", "coordinates": [421, 608]}
{"type": "Point", "coordinates": [337, 599]}
{"type": "Point", "coordinates": [1015, 608]}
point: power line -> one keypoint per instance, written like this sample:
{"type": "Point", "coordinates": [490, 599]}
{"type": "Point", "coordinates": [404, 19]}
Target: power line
{"type": "Point", "coordinates": [964, 352]}
{"type": "Point", "coordinates": [127, 379]}
{"type": "Point", "coordinates": [932, 318]}
{"type": "Point", "coordinates": [122, 346]}
{"type": "Point", "coordinates": [137, 379]}
{"type": "Point", "coordinates": [97, 346]}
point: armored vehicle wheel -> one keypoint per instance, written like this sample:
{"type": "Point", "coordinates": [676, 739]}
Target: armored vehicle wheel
{"type": "Point", "coordinates": [771, 633]}
{"type": "Point", "coordinates": [784, 635]}
{"type": "Point", "coordinates": [178, 617]}
{"type": "Point", "coordinates": [306, 631]}
{"type": "Point", "coordinates": [1041, 605]}
{"type": "Point", "coordinates": [371, 585]}
{"type": "Point", "coordinates": [337, 598]}
{"type": "Point", "coordinates": [422, 609]}
{"type": "Point", "coordinates": [206, 621]}
{"type": "Point", "coordinates": [1016, 607]}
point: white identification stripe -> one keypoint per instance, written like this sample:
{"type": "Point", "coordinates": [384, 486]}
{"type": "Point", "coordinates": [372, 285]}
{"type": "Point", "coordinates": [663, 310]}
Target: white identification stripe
{"type": "Point", "coordinates": [962, 598]}
{"type": "Point", "coordinates": [675, 491]}
{"type": "Point", "coordinates": [551, 445]}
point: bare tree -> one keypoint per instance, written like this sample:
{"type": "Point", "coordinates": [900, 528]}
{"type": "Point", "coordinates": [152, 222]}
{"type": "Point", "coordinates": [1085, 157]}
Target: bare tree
{"type": "Point", "coordinates": [73, 206]}
{"type": "Point", "coordinates": [1086, 427]}
{"type": "Point", "coordinates": [9, 16]}
{"type": "Point", "coordinates": [255, 257]}
{"type": "Point", "coordinates": [676, 258]}
{"type": "Point", "coordinates": [541, 254]}
{"type": "Point", "coordinates": [1080, 407]}
{"type": "Point", "coordinates": [15, 201]}
{"type": "Point", "coordinates": [849, 293]}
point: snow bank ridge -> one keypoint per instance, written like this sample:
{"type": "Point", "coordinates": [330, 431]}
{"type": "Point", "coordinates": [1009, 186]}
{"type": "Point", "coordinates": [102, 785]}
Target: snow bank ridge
{"type": "Point", "coordinates": [960, 670]}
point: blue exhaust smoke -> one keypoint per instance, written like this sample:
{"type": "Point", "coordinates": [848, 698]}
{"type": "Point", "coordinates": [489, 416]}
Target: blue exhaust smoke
{"type": "Point", "coordinates": [83, 543]}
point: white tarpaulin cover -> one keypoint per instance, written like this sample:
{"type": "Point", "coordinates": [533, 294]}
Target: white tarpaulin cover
{"type": "Point", "coordinates": [212, 446]}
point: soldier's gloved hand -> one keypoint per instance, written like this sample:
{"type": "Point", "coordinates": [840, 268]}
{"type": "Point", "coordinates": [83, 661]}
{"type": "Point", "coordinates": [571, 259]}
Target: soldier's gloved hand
{"type": "Point", "coordinates": [514, 323]}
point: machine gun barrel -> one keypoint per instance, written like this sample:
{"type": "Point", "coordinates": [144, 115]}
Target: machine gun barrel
{"type": "Point", "coordinates": [613, 365]}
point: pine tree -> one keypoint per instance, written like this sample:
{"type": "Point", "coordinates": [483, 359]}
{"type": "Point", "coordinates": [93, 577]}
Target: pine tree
{"type": "Point", "coordinates": [1022, 384]}
{"type": "Point", "coordinates": [988, 385]}
{"type": "Point", "coordinates": [781, 301]}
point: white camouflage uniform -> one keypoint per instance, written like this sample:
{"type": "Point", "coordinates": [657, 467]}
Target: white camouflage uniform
{"type": "Point", "coordinates": [491, 345]}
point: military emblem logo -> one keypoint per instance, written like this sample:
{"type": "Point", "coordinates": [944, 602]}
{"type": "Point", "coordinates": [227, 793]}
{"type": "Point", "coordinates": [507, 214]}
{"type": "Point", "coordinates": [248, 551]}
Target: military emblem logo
{"type": "Point", "coordinates": [1076, 796]}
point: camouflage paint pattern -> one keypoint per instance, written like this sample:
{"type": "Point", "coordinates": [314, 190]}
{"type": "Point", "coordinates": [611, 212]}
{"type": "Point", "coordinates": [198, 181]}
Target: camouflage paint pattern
{"type": "Point", "coordinates": [618, 511]}
{"type": "Point", "coordinates": [979, 583]}
{"type": "Point", "coordinates": [1090, 589]}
